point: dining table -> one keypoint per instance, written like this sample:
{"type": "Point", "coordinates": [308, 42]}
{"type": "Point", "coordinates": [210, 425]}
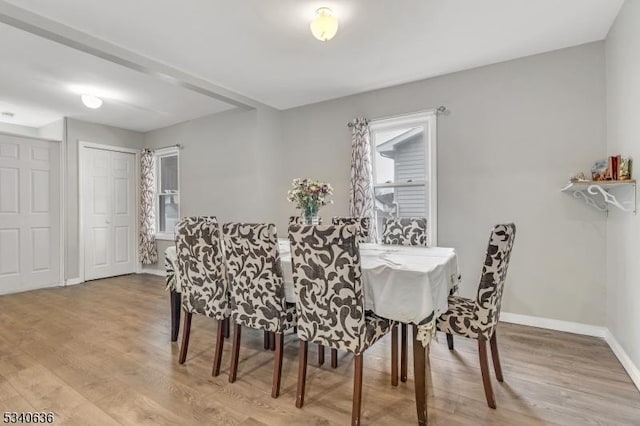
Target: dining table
{"type": "Point", "coordinates": [407, 284]}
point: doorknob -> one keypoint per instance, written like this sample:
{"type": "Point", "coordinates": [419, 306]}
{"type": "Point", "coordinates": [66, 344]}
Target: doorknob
{"type": "Point", "coordinates": [107, 221]}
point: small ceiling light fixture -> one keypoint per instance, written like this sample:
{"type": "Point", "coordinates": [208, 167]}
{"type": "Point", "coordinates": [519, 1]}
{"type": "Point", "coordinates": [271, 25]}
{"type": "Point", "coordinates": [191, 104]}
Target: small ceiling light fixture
{"type": "Point", "coordinates": [91, 101]}
{"type": "Point", "coordinates": [325, 26]}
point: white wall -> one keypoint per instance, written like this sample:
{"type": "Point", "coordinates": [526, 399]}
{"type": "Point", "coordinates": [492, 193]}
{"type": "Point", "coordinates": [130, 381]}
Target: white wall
{"type": "Point", "coordinates": [15, 129]}
{"type": "Point", "coordinates": [80, 131]}
{"type": "Point", "coordinates": [623, 137]}
{"type": "Point", "coordinates": [515, 132]}
{"type": "Point", "coordinates": [228, 165]}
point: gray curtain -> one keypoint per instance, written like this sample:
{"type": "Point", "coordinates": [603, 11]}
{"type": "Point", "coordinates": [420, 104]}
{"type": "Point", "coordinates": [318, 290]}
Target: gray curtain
{"type": "Point", "coordinates": [147, 242]}
{"type": "Point", "coordinates": [362, 197]}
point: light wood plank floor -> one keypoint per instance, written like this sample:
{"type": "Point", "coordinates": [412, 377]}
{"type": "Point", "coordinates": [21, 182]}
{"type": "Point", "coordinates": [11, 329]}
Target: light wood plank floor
{"type": "Point", "coordinates": [100, 353]}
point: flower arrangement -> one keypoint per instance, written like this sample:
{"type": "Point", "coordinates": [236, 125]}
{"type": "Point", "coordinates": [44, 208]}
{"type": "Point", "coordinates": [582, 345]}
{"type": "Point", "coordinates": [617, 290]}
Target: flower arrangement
{"type": "Point", "coordinates": [309, 195]}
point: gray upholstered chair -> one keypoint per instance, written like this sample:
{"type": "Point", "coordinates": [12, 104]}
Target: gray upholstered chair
{"type": "Point", "coordinates": [478, 318]}
{"type": "Point", "coordinates": [330, 299]}
{"type": "Point", "coordinates": [204, 285]}
{"type": "Point", "coordinates": [362, 223]}
{"type": "Point", "coordinates": [404, 231]}
{"type": "Point", "coordinates": [256, 289]}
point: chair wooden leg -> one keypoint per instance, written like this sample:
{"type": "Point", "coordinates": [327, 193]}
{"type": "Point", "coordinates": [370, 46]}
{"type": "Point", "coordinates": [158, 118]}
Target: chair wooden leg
{"type": "Point", "coordinates": [403, 353]}
{"type": "Point", "coordinates": [302, 372]}
{"type": "Point", "coordinates": [217, 358]}
{"type": "Point", "coordinates": [176, 301]}
{"type": "Point", "coordinates": [334, 358]}
{"type": "Point", "coordinates": [486, 378]}
{"type": "Point", "coordinates": [394, 356]}
{"type": "Point", "coordinates": [357, 391]}
{"type": "Point", "coordinates": [450, 341]}
{"type": "Point", "coordinates": [235, 352]}
{"type": "Point", "coordinates": [420, 377]}
{"type": "Point", "coordinates": [267, 341]}
{"type": "Point", "coordinates": [186, 331]}
{"type": "Point", "coordinates": [277, 366]}
{"type": "Point", "coordinates": [227, 328]}
{"type": "Point", "coordinates": [496, 357]}
{"type": "Point", "coordinates": [320, 354]}
{"type": "Point", "coordinates": [272, 341]}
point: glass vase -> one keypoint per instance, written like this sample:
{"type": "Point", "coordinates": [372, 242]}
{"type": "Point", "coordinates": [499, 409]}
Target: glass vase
{"type": "Point", "coordinates": [310, 215]}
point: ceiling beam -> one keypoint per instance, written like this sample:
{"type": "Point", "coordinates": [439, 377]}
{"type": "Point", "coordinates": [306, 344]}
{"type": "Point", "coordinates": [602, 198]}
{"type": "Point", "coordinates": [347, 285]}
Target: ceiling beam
{"type": "Point", "coordinates": [51, 30]}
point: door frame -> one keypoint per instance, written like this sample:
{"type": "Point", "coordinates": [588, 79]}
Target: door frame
{"type": "Point", "coordinates": [82, 146]}
{"type": "Point", "coordinates": [62, 184]}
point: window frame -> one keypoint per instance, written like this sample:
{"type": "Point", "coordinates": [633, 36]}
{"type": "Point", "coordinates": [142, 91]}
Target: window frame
{"type": "Point", "coordinates": [427, 120]}
{"type": "Point", "coordinates": [159, 154]}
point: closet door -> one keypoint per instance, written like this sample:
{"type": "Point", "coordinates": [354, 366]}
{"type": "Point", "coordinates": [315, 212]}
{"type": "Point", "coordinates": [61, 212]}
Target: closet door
{"type": "Point", "coordinates": [29, 214]}
{"type": "Point", "coordinates": [109, 213]}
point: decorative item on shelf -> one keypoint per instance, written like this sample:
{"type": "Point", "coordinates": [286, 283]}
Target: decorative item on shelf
{"type": "Point", "coordinates": [624, 172]}
{"type": "Point", "coordinates": [578, 177]}
{"type": "Point", "coordinates": [599, 170]}
{"type": "Point", "coordinates": [309, 195]}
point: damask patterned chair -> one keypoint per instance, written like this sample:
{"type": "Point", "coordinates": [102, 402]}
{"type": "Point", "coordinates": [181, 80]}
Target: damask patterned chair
{"type": "Point", "coordinates": [363, 225]}
{"type": "Point", "coordinates": [257, 289]}
{"type": "Point", "coordinates": [330, 299]}
{"type": "Point", "coordinates": [478, 319]}
{"type": "Point", "coordinates": [204, 285]}
{"type": "Point", "coordinates": [404, 231]}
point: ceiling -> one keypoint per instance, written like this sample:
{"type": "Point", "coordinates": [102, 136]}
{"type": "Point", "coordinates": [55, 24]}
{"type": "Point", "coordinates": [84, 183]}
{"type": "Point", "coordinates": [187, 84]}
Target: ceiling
{"type": "Point", "coordinates": [41, 82]}
{"type": "Point", "coordinates": [263, 50]}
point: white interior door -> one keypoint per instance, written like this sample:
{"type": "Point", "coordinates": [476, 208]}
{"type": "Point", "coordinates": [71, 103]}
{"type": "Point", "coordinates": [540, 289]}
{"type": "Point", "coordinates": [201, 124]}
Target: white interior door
{"type": "Point", "coordinates": [29, 214]}
{"type": "Point", "coordinates": [109, 213]}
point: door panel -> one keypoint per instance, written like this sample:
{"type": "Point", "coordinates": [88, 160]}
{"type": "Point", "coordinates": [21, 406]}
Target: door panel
{"type": "Point", "coordinates": [109, 213]}
{"type": "Point", "coordinates": [29, 214]}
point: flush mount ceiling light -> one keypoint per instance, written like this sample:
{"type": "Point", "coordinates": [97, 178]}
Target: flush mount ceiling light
{"type": "Point", "coordinates": [91, 101]}
{"type": "Point", "coordinates": [325, 26]}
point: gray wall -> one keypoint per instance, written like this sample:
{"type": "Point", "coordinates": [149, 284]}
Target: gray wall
{"type": "Point", "coordinates": [623, 137]}
{"type": "Point", "coordinates": [515, 132]}
{"type": "Point", "coordinates": [80, 131]}
{"type": "Point", "coordinates": [228, 165]}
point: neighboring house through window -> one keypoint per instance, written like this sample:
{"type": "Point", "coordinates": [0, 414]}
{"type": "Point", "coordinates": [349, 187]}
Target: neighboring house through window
{"type": "Point", "coordinates": [168, 192]}
{"type": "Point", "coordinates": [404, 168]}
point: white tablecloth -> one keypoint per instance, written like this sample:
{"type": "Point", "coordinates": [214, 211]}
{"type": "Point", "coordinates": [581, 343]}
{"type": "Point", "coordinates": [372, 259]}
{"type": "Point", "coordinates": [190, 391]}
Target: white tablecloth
{"type": "Point", "coordinates": [407, 284]}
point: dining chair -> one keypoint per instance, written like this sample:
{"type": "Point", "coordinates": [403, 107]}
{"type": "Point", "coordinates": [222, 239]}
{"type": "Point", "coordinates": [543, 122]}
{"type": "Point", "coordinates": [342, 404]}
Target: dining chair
{"type": "Point", "coordinates": [204, 285]}
{"type": "Point", "coordinates": [404, 231]}
{"type": "Point", "coordinates": [363, 224]}
{"type": "Point", "coordinates": [478, 319]}
{"type": "Point", "coordinates": [257, 289]}
{"type": "Point", "coordinates": [330, 299]}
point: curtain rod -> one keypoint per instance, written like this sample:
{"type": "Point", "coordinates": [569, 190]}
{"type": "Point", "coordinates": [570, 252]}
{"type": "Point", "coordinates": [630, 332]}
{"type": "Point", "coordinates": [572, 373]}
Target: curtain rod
{"type": "Point", "coordinates": [170, 146]}
{"type": "Point", "coordinates": [439, 110]}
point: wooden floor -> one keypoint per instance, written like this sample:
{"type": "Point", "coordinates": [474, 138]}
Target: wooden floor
{"type": "Point", "coordinates": [100, 353]}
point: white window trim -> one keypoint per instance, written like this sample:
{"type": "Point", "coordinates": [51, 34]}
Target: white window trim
{"type": "Point", "coordinates": [428, 120]}
{"type": "Point", "coordinates": [158, 154]}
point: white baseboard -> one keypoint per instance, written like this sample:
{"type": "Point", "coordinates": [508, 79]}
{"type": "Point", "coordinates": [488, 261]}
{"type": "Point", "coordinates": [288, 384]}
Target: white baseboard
{"type": "Point", "coordinates": [73, 281]}
{"type": "Point", "coordinates": [554, 324]}
{"type": "Point", "coordinates": [158, 272]}
{"type": "Point", "coordinates": [632, 370]}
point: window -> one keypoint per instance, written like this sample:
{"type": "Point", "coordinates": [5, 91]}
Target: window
{"type": "Point", "coordinates": [168, 192]}
{"type": "Point", "coordinates": [404, 169]}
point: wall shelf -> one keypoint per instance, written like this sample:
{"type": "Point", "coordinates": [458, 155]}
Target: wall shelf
{"type": "Point", "coordinates": [601, 195]}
